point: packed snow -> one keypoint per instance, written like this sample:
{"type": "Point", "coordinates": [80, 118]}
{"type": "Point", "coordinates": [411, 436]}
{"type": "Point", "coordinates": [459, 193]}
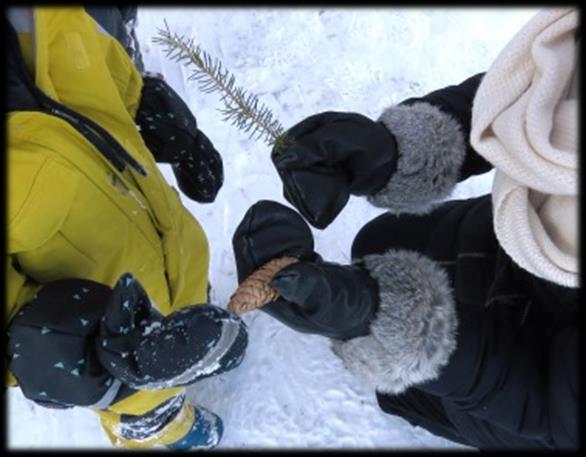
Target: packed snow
{"type": "Point", "coordinates": [291, 391]}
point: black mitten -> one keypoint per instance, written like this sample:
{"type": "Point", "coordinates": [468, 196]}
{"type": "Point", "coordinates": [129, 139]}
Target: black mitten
{"type": "Point", "coordinates": [331, 156]}
{"type": "Point", "coordinates": [149, 352]}
{"type": "Point", "coordinates": [80, 343]}
{"type": "Point", "coordinates": [169, 129]}
{"type": "Point", "coordinates": [316, 297]}
{"type": "Point", "coordinates": [339, 300]}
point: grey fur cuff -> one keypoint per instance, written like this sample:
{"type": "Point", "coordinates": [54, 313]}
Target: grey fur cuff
{"type": "Point", "coordinates": [431, 148]}
{"type": "Point", "coordinates": [414, 331]}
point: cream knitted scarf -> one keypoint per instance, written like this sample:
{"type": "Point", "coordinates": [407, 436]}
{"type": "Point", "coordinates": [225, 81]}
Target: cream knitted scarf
{"type": "Point", "coordinates": [525, 122]}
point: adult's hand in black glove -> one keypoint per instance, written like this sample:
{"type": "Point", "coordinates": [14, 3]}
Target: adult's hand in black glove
{"type": "Point", "coordinates": [338, 300]}
{"type": "Point", "coordinates": [269, 230]}
{"type": "Point", "coordinates": [331, 156]}
{"type": "Point", "coordinates": [316, 297]}
{"type": "Point", "coordinates": [169, 129]}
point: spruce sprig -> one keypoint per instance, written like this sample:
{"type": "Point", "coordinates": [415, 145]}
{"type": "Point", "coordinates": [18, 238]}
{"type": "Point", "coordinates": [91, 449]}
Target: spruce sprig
{"type": "Point", "coordinates": [241, 108]}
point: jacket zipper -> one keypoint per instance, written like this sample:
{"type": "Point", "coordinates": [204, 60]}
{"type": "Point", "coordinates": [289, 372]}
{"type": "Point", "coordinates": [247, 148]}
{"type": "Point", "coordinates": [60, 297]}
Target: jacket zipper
{"type": "Point", "coordinates": [97, 135]}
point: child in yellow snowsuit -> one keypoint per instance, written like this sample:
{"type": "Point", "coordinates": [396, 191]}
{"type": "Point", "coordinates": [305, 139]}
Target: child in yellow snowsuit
{"type": "Point", "coordinates": [104, 263]}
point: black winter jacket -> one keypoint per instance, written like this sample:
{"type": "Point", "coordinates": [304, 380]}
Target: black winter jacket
{"type": "Point", "coordinates": [510, 375]}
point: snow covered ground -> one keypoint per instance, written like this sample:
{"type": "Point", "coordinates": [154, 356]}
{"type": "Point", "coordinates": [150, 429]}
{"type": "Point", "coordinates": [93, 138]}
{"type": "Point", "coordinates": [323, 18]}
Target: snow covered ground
{"type": "Point", "coordinates": [291, 391]}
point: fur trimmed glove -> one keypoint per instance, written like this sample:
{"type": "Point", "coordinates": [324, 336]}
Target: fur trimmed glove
{"type": "Point", "coordinates": [413, 333]}
{"type": "Point", "coordinates": [392, 316]}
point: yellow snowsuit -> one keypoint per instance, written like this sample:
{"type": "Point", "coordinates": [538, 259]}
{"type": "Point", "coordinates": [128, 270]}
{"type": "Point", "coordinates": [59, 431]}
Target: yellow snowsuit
{"type": "Point", "coordinates": [71, 214]}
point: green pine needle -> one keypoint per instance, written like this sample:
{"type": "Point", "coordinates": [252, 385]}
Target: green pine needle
{"type": "Point", "coordinates": [241, 108]}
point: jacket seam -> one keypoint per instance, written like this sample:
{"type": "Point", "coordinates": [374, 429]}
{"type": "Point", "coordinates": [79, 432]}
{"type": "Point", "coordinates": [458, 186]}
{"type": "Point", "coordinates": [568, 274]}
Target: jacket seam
{"type": "Point", "coordinates": [74, 246]}
{"type": "Point", "coordinates": [27, 200]}
{"type": "Point", "coordinates": [97, 185]}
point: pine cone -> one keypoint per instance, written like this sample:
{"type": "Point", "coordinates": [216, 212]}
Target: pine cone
{"type": "Point", "coordinates": [256, 290]}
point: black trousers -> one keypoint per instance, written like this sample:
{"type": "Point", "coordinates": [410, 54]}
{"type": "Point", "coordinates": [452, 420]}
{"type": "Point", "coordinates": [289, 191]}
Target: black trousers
{"type": "Point", "coordinates": [410, 232]}
{"type": "Point", "coordinates": [422, 410]}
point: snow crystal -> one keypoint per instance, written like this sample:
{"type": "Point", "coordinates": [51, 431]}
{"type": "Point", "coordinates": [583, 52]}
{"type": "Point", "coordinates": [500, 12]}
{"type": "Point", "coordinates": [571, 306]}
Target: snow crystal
{"type": "Point", "coordinates": [150, 328]}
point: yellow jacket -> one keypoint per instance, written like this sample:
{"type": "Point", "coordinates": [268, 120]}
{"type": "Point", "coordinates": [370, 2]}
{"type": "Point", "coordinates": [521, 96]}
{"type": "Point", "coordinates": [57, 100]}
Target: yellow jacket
{"type": "Point", "coordinates": [71, 214]}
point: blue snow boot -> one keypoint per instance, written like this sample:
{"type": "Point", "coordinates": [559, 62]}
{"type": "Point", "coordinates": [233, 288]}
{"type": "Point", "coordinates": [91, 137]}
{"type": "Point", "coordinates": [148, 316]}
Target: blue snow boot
{"type": "Point", "coordinates": [206, 433]}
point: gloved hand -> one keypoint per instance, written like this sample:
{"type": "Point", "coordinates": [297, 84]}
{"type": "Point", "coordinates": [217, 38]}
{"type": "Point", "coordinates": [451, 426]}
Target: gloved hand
{"type": "Point", "coordinates": [78, 342]}
{"type": "Point", "coordinates": [170, 131]}
{"type": "Point", "coordinates": [147, 351]}
{"type": "Point", "coordinates": [316, 296]}
{"type": "Point", "coordinates": [333, 155]}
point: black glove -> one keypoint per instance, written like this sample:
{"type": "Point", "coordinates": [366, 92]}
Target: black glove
{"type": "Point", "coordinates": [317, 297]}
{"type": "Point", "coordinates": [170, 131]}
{"type": "Point", "coordinates": [333, 155]}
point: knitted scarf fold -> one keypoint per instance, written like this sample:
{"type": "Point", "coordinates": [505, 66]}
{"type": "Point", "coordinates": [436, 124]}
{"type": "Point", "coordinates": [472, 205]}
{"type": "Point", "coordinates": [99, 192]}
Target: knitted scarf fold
{"type": "Point", "coordinates": [525, 122]}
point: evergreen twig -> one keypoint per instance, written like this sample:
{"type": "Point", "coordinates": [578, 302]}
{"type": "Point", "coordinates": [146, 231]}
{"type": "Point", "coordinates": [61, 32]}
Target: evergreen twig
{"type": "Point", "coordinates": [241, 108]}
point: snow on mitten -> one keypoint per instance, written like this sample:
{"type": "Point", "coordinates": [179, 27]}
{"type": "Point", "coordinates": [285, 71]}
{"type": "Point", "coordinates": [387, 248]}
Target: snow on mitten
{"type": "Point", "coordinates": [200, 175]}
{"type": "Point", "coordinates": [149, 352]}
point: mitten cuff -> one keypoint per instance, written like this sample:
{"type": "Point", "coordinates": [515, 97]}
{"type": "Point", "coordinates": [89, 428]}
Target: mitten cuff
{"type": "Point", "coordinates": [431, 149]}
{"type": "Point", "coordinates": [413, 332]}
